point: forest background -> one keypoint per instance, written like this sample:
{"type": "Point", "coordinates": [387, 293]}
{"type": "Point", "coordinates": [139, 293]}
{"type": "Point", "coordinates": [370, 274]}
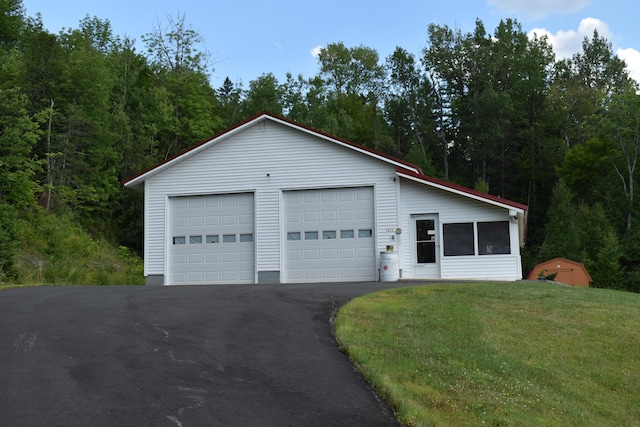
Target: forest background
{"type": "Point", "coordinates": [494, 110]}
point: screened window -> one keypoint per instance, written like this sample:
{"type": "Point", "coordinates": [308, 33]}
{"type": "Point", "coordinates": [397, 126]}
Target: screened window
{"type": "Point", "coordinates": [458, 239]}
{"type": "Point", "coordinates": [179, 240]}
{"type": "Point", "coordinates": [228, 238]}
{"type": "Point", "coordinates": [493, 238]}
{"type": "Point", "coordinates": [310, 235]}
{"type": "Point", "coordinates": [293, 235]}
{"type": "Point", "coordinates": [347, 234]}
{"type": "Point", "coordinates": [212, 238]}
{"type": "Point", "coordinates": [195, 240]}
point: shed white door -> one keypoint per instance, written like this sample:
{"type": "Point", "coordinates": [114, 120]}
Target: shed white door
{"type": "Point", "coordinates": [329, 235]}
{"type": "Point", "coordinates": [211, 239]}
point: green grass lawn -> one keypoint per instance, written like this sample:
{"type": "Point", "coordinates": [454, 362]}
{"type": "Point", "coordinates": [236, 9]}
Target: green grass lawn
{"type": "Point", "coordinates": [499, 354]}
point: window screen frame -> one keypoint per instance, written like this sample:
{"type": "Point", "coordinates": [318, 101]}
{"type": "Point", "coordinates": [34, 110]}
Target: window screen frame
{"type": "Point", "coordinates": [502, 246]}
{"type": "Point", "coordinates": [459, 242]}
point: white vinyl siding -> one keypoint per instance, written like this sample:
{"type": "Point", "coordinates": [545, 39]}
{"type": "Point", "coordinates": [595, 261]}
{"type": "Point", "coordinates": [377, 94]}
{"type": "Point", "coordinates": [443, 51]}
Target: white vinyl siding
{"type": "Point", "coordinates": [419, 199]}
{"type": "Point", "coordinates": [267, 159]}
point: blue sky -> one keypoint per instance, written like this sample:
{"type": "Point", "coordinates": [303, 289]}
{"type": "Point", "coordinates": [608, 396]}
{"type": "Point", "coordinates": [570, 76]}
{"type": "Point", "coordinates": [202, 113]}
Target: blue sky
{"type": "Point", "coordinates": [249, 38]}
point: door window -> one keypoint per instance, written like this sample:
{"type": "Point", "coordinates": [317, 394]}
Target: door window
{"type": "Point", "coordinates": [426, 241]}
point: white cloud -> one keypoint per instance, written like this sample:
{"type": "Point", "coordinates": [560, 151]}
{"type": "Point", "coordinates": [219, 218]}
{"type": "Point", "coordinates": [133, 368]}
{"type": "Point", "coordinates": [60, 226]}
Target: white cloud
{"type": "Point", "coordinates": [566, 43]}
{"type": "Point", "coordinates": [632, 58]}
{"type": "Point", "coordinates": [537, 9]}
{"type": "Point", "coordinates": [316, 51]}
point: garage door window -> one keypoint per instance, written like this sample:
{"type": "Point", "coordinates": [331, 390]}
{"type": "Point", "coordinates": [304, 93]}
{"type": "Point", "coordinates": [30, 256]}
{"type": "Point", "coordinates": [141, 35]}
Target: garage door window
{"type": "Point", "coordinates": [347, 234]}
{"type": "Point", "coordinates": [228, 238]}
{"type": "Point", "coordinates": [329, 235]}
{"type": "Point", "coordinates": [293, 235]}
{"type": "Point", "coordinates": [363, 234]}
{"type": "Point", "coordinates": [179, 240]}
{"type": "Point", "coordinates": [195, 240]}
{"type": "Point", "coordinates": [310, 235]}
{"type": "Point", "coordinates": [212, 238]}
{"type": "Point", "coordinates": [246, 237]}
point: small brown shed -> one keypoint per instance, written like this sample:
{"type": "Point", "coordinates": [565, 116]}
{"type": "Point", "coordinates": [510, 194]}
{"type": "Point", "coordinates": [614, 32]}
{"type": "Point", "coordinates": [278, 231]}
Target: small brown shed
{"type": "Point", "coordinates": [568, 272]}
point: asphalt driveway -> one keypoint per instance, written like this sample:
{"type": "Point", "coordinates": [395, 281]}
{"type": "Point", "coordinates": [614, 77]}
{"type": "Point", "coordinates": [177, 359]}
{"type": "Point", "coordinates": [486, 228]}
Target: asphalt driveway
{"type": "Point", "coordinates": [241, 355]}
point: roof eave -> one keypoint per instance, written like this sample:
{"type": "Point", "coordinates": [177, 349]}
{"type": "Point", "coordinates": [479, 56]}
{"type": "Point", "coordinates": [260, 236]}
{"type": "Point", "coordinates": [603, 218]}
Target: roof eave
{"type": "Point", "coordinates": [463, 191]}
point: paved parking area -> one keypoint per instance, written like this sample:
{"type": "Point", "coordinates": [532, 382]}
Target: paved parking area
{"type": "Point", "coordinates": [241, 355]}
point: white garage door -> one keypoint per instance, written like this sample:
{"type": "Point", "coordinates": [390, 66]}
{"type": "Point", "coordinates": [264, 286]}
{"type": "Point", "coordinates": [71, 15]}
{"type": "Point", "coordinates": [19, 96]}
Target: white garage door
{"type": "Point", "coordinates": [212, 239]}
{"type": "Point", "coordinates": [329, 235]}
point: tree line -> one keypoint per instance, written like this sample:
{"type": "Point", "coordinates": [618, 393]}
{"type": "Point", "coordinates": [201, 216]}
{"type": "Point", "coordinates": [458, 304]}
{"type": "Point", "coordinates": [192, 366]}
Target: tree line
{"type": "Point", "coordinates": [83, 109]}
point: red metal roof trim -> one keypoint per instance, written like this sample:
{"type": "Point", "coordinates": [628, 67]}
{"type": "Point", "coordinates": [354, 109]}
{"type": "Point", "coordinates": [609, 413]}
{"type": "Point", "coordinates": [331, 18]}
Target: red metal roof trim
{"type": "Point", "coordinates": [289, 121]}
{"type": "Point", "coordinates": [462, 189]}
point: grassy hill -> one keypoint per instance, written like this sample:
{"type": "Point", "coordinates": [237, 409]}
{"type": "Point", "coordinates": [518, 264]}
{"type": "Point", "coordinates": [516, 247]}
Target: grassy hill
{"type": "Point", "coordinates": [500, 354]}
{"type": "Point", "coordinates": [55, 250]}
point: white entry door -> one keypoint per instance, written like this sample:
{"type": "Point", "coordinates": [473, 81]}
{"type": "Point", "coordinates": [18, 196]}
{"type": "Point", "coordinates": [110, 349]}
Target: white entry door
{"type": "Point", "coordinates": [426, 246]}
{"type": "Point", "coordinates": [211, 239]}
{"type": "Point", "coordinates": [329, 235]}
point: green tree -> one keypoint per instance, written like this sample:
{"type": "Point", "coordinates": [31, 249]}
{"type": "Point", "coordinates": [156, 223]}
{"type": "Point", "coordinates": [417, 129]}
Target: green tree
{"type": "Point", "coordinates": [264, 94]}
{"type": "Point", "coordinates": [622, 124]}
{"type": "Point", "coordinates": [11, 23]}
{"type": "Point", "coordinates": [18, 167]}
{"type": "Point", "coordinates": [409, 106]}
{"type": "Point", "coordinates": [561, 230]}
{"type": "Point", "coordinates": [229, 102]}
{"type": "Point", "coordinates": [354, 81]}
{"type": "Point", "coordinates": [181, 69]}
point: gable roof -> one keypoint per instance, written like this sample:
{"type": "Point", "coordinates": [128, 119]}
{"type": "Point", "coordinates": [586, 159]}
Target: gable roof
{"type": "Point", "coordinates": [139, 178]}
{"type": "Point", "coordinates": [403, 169]}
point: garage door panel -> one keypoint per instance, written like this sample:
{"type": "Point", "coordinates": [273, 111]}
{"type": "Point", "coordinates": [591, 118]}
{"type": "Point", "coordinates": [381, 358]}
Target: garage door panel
{"type": "Point", "coordinates": [179, 222]}
{"type": "Point", "coordinates": [212, 221]}
{"type": "Point", "coordinates": [212, 276]}
{"type": "Point", "coordinates": [209, 229]}
{"type": "Point", "coordinates": [246, 220]}
{"type": "Point", "coordinates": [212, 257]}
{"type": "Point", "coordinates": [328, 216]}
{"type": "Point", "coordinates": [196, 277]}
{"type": "Point", "coordinates": [230, 276]}
{"type": "Point", "coordinates": [311, 217]}
{"type": "Point", "coordinates": [195, 259]}
{"type": "Point", "coordinates": [311, 255]}
{"type": "Point", "coordinates": [363, 214]}
{"type": "Point", "coordinates": [294, 255]}
{"type": "Point", "coordinates": [229, 220]}
{"type": "Point", "coordinates": [245, 256]}
{"type": "Point", "coordinates": [348, 273]}
{"type": "Point", "coordinates": [348, 253]}
{"type": "Point", "coordinates": [195, 202]}
{"type": "Point", "coordinates": [311, 274]}
{"type": "Point", "coordinates": [347, 215]}
{"type": "Point", "coordinates": [179, 259]}
{"type": "Point", "coordinates": [327, 245]}
{"type": "Point", "coordinates": [329, 254]}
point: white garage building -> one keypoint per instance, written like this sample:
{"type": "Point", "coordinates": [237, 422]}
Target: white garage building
{"type": "Point", "coordinates": [272, 201]}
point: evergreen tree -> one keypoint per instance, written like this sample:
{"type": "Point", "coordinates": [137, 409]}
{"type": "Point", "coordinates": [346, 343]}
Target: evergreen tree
{"type": "Point", "coordinates": [561, 229]}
